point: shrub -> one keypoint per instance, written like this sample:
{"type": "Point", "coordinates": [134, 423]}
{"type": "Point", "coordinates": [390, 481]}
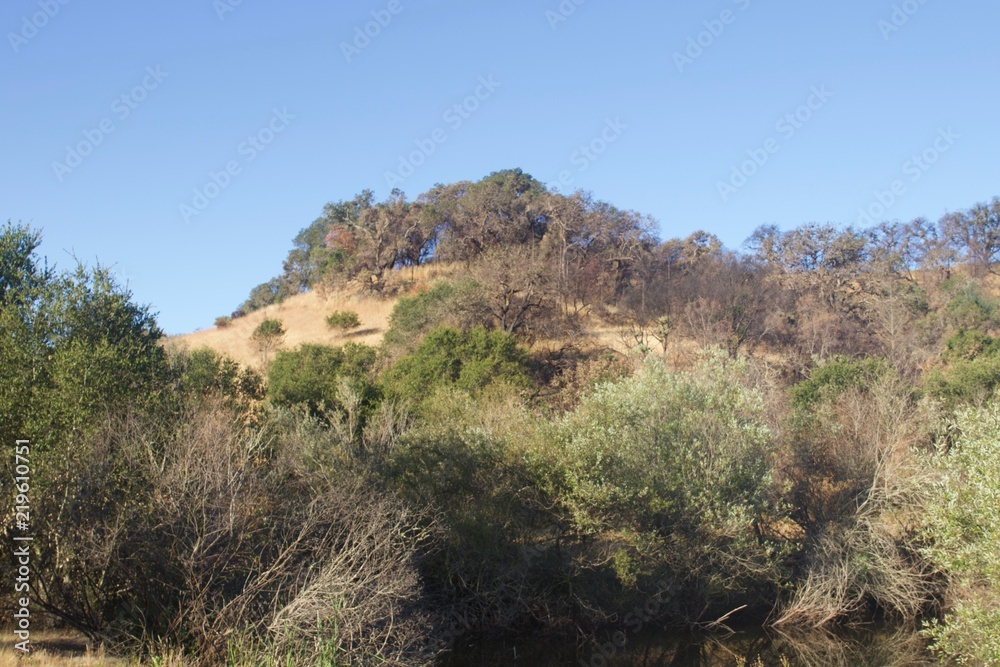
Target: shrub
{"type": "Point", "coordinates": [497, 563]}
{"type": "Point", "coordinates": [969, 308]}
{"type": "Point", "coordinates": [266, 294]}
{"type": "Point", "coordinates": [837, 376]}
{"type": "Point", "coordinates": [673, 471]}
{"type": "Point", "coordinates": [206, 373]}
{"type": "Point", "coordinates": [203, 535]}
{"type": "Point", "coordinates": [963, 524]}
{"type": "Point", "coordinates": [468, 361]}
{"type": "Point", "coordinates": [457, 305]}
{"type": "Point", "coordinates": [343, 320]}
{"type": "Point", "coordinates": [971, 374]}
{"type": "Point", "coordinates": [223, 322]}
{"type": "Point", "coordinates": [324, 378]}
{"type": "Point", "coordinates": [267, 336]}
{"type": "Point", "coordinates": [968, 344]}
{"type": "Point", "coordinates": [858, 491]}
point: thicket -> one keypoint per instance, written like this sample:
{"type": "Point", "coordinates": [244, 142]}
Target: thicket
{"type": "Point", "coordinates": [490, 468]}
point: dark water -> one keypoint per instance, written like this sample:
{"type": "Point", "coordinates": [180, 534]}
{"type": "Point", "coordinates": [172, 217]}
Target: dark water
{"type": "Point", "coordinates": [871, 648]}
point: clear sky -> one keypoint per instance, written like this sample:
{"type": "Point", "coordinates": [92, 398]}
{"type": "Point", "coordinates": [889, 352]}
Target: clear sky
{"type": "Point", "coordinates": [268, 91]}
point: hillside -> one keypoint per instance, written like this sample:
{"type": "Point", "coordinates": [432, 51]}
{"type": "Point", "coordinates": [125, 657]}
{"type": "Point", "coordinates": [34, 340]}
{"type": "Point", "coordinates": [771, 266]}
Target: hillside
{"type": "Point", "coordinates": [303, 317]}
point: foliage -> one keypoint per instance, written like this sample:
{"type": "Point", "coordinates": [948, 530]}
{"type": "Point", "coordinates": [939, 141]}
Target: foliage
{"type": "Point", "coordinates": [969, 307]}
{"type": "Point", "coordinates": [969, 344]}
{"type": "Point", "coordinates": [467, 361]}
{"type": "Point", "coordinates": [963, 524]}
{"type": "Point", "coordinates": [677, 466]}
{"type": "Point", "coordinates": [266, 294]}
{"type": "Point", "coordinates": [226, 529]}
{"type": "Point", "coordinates": [497, 566]}
{"type": "Point", "coordinates": [314, 375]}
{"type": "Point", "coordinates": [857, 493]}
{"type": "Point", "coordinates": [267, 336]}
{"type": "Point", "coordinates": [223, 322]}
{"type": "Point", "coordinates": [206, 373]}
{"type": "Point", "coordinates": [835, 377]}
{"type": "Point", "coordinates": [971, 374]}
{"type": "Point", "coordinates": [343, 320]}
{"type": "Point", "coordinates": [455, 304]}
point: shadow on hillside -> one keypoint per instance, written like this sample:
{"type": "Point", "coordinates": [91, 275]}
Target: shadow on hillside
{"type": "Point", "coordinates": [362, 332]}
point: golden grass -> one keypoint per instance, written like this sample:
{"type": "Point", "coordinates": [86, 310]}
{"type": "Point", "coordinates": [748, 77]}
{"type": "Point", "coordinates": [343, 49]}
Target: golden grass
{"type": "Point", "coordinates": [304, 319]}
{"type": "Point", "coordinates": [53, 649]}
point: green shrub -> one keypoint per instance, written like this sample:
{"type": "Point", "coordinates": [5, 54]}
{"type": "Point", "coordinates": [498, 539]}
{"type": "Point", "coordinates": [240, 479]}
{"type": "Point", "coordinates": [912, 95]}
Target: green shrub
{"type": "Point", "coordinates": [343, 320]}
{"type": "Point", "coordinates": [468, 361]}
{"type": "Point", "coordinates": [412, 316]}
{"type": "Point", "coordinates": [963, 524]}
{"type": "Point", "coordinates": [314, 375]}
{"type": "Point", "coordinates": [968, 307]}
{"type": "Point", "coordinates": [971, 374]}
{"type": "Point", "coordinates": [833, 378]}
{"type": "Point", "coordinates": [675, 469]}
{"type": "Point", "coordinates": [205, 372]}
{"type": "Point", "coordinates": [965, 382]}
{"type": "Point", "coordinates": [968, 344]}
{"type": "Point", "coordinates": [457, 305]}
{"type": "Point", "coordinates": [223, 322]}
{"type": "Point", "coordinates": [466, 461]}
{"type": "Point", "coordinates": [266, 294]}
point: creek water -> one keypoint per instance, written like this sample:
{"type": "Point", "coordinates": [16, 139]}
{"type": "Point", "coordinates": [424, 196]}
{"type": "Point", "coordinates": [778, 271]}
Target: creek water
{"type": "Point", "coordinates": [871, 647]}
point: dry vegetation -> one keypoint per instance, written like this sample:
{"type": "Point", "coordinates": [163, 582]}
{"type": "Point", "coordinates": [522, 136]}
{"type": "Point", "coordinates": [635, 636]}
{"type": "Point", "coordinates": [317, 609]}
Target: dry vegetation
{"type": "Point", "coordinates": [54, 649]}
{"type": "Point", "coordinates": [303, 317]}
{"type": "Point", "coordinates": [579, 415]}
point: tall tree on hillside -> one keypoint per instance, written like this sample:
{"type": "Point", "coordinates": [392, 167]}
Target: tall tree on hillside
{"type": "Point", "coordinates": [313, 256]}
{"type": "Point", "coordinates": [388, 235]}
{"type": "Point", "coordinates": [517, 286]}
{"type": "Point", "coordinates": [975, 235]}
{"type": "Point", "coordinates": [506, 208]}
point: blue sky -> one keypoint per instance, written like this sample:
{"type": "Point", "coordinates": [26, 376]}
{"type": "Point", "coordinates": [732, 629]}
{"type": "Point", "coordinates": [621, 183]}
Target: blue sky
{"type": "Point", "coordinates": [266, 91]}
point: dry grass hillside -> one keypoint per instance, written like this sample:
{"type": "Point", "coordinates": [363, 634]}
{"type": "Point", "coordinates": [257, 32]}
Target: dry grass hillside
{"type": "Point", "coordinates": [304, 319]}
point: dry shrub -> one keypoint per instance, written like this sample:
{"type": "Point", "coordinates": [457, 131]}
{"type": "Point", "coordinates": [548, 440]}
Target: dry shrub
{"type": "Point", "coordinates": [861, 487]}
{"type": "Point", "coordinates": [357, 587]}
{"type": "Point", "coordinates": [223, 539]}
{"type": "Point", "coordinates": [899, 647]}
